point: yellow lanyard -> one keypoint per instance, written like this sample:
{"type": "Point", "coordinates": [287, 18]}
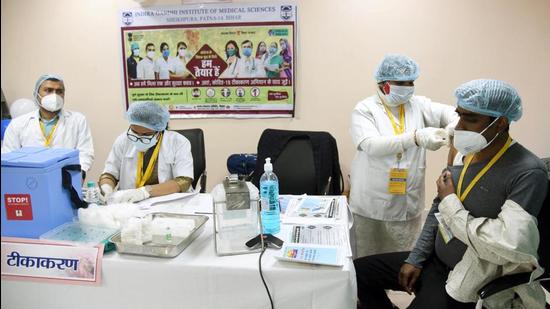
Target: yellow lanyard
{"type": "Point", "coordinates": [50, 136]}
{"type": "Point", "coordinates": [401, 128]}
{"type": "Point", "coordinates": [462, 196]}
{"type": "Point", "coordinates": [141, 178]}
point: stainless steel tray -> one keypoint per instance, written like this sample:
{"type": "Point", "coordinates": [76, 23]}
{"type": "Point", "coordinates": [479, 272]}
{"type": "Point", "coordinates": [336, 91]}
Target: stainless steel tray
{"type": "Point", "coordinates": [151, 249]}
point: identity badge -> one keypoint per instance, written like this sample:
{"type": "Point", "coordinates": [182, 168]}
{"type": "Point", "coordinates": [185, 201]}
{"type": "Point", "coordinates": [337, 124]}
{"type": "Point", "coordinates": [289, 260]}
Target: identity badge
{"type": "Point", "coordinates": [398, 181]}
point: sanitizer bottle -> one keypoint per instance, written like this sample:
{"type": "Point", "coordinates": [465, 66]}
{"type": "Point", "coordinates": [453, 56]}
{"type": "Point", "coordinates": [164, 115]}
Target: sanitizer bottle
{"type": "Point", "coordinates": [269, 192]}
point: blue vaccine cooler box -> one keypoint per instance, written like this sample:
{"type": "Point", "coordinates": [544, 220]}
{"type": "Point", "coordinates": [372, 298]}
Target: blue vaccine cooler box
{"type": "Point", "coordinates": [33, 198]}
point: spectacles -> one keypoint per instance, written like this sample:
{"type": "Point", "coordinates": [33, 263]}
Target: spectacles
{"type": "Point", "coordinates": [134, 138]}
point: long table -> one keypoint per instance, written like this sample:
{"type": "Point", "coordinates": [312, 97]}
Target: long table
{"type": "Point", "coordinates": [197, 278]}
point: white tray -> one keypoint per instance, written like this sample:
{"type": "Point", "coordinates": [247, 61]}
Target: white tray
{"type": "Point", "coordinates": [172, 250]}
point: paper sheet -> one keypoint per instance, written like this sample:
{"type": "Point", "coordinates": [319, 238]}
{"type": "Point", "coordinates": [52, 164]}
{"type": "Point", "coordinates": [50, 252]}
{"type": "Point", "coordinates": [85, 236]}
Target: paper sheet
{"type": "Point", "coordinates": [321, 234]}
{"type": "Point", "coordinates": [147, 203]}
{"type": "Point", "coordinates": [321, 255]}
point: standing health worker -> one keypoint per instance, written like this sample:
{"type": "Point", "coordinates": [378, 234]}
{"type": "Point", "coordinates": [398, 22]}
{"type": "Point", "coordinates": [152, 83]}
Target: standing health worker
{"type": "Point", "coordinates": [391, 132]}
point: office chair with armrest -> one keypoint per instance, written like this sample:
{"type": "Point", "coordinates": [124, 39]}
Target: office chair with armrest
{"type": "Point", "coordinates": [304, 161]}
{"type": "Point", "coordinates": [196, 138]}
{"type": "Point", "coordinates": [510, 281]}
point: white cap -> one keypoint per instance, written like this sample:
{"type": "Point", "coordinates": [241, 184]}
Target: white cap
{"type": "Point", "coordinates": [268, 167]}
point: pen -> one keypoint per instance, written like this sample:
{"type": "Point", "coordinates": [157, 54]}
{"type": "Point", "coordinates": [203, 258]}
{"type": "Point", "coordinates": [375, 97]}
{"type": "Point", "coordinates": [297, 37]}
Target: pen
{"type": "Point", "coordinates": [331, 209]}
{"type": "Point", "coordinates": [336, 208]}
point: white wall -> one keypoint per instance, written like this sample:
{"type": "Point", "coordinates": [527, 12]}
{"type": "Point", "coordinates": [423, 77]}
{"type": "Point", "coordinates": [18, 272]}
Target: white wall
{"type": "Point", "coordinates": [340, 44]}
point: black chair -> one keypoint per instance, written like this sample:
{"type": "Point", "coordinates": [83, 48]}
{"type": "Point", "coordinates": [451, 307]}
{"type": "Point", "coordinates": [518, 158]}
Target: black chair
{"type": "Point", "coordinates": [196, 138]}
{"type": "Point", "coordinates": [305, 162]}
{"type": "Point", "coordinates": [510, 281]}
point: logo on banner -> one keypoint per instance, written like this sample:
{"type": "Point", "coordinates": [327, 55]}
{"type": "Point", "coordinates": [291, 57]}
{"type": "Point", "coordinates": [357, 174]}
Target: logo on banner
{"type": "Point", "coordinates": [226, 92]}
{"type": "Point", "coordinates": [277, 95]}
{"type": "Point", "coordinates": [286, 11]}
{"type": "Point", "coordinates": [18, 206]}
{"type": "Point", "coordinates": [206, 64]}
{"type": "Point", "coordinates": [127, 18]}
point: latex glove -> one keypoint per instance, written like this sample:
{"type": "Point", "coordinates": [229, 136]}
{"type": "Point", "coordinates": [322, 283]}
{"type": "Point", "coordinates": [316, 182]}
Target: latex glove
{"type": "Point", "coordinates": [451, 127]}
{"type": "Point", "coordinates": [129, 196]}
{"type": "Point", "coordinates": [106, 192]}
{"type": "Point", "coordinates": [431, 138]}
{"type": "Point", "coordinates": [106, 189]}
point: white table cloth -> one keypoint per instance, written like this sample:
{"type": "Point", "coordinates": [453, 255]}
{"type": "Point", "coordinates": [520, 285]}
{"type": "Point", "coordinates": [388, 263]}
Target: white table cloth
{"type": "Point", "coordinates": [197, 278]}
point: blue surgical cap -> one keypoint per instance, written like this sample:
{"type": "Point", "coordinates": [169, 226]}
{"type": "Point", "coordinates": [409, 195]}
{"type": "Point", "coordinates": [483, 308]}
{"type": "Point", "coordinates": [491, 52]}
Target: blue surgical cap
{"type": "Point", "coordinates": [490, 97]}
{"type": "Point", "coordinates": [134, 46]}
{"type": "Point", "coordinates": [150, 115]}
{"type": "Point", "coordinates": [41, 80]}
{"type": "Point", "coordinates": [396, 67]}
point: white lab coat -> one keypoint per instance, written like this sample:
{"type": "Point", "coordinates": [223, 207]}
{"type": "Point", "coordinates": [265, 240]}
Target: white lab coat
{"type": "Point", "coordinates": [72, 131]}
{"type": "Point", "coordinates": [369, 195]}
{"type": "Point", "coordinates": [163, 67]}
{"type": "Point", "coordinates": [175, 160]}
{"type": "Point", "coordinates": [245, 68]}
{"type": "Point", "coordinates": [145, 69]}
{"type": "Point", "coordinates": [177, 66]}
{"type": "Point", "coordinates": [505, 245]}
{"type": "Point", "coordinates": [250, 67]}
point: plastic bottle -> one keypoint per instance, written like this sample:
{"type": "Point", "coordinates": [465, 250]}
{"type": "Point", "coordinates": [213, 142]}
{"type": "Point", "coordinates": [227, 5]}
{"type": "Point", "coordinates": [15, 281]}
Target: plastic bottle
{"type": "Point", "coordinates": [92, 193]}
{"type": "Point", "coordinates": [269, 190]}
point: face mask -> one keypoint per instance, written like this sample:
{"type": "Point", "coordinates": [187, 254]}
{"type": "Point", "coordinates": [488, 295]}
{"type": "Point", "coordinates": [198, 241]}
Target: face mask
{"type": "Point", "coordinates": [468, 142]}
{"type": "Point", "coordinates": [150, 54]}
{"type": "Point", "coordinates": [399, 95]}
{"type": "Point", "coordinates": [52, 102]}
{"type": "Point", "coordinates": [272, 50]}
{"type": "Point", "coordinates": [166, 53]}
{"type": "Point", "coordinates": [140, 146]}
{"type": "Point", "coordinates": [135, 52]}
{"type": "Point", "coordinates": [181, 52]}
{"type": "Point", "coordinates": [247, 51]}
{"type": "Point", "coordinates": [231, 52]}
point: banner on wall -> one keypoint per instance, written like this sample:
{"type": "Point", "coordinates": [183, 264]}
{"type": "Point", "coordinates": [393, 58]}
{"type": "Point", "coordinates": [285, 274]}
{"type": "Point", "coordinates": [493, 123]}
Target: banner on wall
{"type": "Point", "coordinates": [215, 60]}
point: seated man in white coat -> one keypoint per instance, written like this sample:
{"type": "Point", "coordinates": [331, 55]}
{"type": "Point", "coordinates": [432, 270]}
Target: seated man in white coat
{"type": "Point", "coordinates": [51, 125]}
{"type": "Point", "coordinates": [147, 160]}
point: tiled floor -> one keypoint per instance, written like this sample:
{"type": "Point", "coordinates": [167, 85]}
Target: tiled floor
{"type": "Point", "coordinates": [400, 299]}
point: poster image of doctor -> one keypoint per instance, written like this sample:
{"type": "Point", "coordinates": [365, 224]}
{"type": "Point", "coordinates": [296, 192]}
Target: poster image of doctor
{"type": "Point", "coordinates": [212, 61]}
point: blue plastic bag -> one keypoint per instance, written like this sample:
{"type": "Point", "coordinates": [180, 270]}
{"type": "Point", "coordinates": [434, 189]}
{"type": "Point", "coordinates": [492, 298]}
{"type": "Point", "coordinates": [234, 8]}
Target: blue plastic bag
{"type": "Point", "coordinates": [242, 164]}
{"type": "Point", "coordinates": [5, 123]}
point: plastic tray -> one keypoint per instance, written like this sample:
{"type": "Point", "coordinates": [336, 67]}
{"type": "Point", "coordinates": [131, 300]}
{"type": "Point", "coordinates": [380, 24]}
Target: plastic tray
{"type": "Point", "coordinates": [78, 232]}
{"type": "Point", "coordinates": [168, 251]}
